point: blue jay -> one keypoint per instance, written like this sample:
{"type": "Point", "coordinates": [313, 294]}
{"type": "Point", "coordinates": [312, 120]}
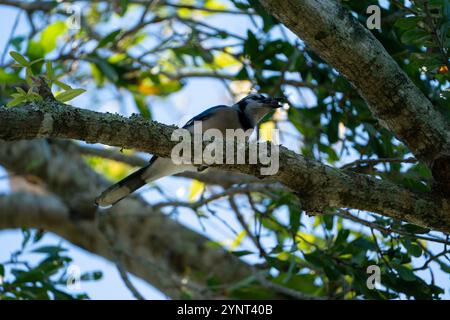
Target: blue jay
{"type": "Point", "coordinates": [245, 114]}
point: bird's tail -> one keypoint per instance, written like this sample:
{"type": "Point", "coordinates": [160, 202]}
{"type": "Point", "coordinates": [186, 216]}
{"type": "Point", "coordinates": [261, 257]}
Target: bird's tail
{"type": "Point", "coordinates": [121, 189]}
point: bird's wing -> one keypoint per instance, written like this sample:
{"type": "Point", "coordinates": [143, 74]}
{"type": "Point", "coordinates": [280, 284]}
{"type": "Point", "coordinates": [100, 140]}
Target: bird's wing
{"type": "Point", "coordinates": [203, 115]}
{"type": "Point", "coordinates": [157, 168]}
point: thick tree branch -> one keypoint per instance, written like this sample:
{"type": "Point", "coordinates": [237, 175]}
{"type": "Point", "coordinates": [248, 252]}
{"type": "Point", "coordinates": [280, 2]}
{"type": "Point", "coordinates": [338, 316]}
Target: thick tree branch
{"type": "Point", "coordinates": [344, 43]}
{"type": "Point", "coordinates": [159, 249]}
{"type": "Point", "coordinates": [320, 186]}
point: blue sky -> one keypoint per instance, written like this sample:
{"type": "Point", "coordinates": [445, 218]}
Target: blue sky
{"type": "Point", "coordinates": [173, 110]}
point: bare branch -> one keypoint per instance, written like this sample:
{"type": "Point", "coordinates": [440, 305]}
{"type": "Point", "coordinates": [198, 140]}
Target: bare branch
{"type": "Point", "coordinates": [318, 185]}
{"type": "Point", "coordinates": [117, 253]}
{"type": "Point", "coordinates": [373, 162]}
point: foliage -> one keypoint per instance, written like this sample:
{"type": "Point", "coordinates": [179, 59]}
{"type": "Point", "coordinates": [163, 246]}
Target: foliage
{"type": "Point", "coordinates": [21, 96]}
{"type": "Point", "coordinates": [153, 56]}
{"type": "Point", "coordinates": [47, 279]}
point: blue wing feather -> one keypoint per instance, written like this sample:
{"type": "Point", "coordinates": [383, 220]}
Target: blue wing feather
{"type": "Point", "coordinates": [200, 117]}
{"type": "Point", "coordinates": [203, 115]}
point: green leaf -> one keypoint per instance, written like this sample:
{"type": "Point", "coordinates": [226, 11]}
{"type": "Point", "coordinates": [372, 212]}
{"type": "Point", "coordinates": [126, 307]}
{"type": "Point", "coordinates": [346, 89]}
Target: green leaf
{"type": "Point", "coordinates": [52, 250]}
{"type": "Point", "coordinates": [294, 219]}
{"type": "Point", "coordinates": [412, 228]}
{"type": "Point", "coordinates": [444, 267]}
{"type": "Point", "coordinates": [105, 67]}
{"type": "Point", "coordinates": [16, 42]}
{"type": "Point", "coordinates": [405, 273]}
{"type": "Point", "coordinates": [2, 270]}
{"type": "Point", "coordinates": [69, 94]}
{"type": "Point", "coordinates": [412, 248]}
{"type": "Point", "coordinates": [415, 36]}
{"type": "Point", "coordinates": [364, 243]}
{"type": "Point", "coordinates": [342, 236]}
{"type": "Point", "coordinates": [91, 276]}
{"type": "Point", "coordinates": [415, 250]}
{"type": "Point", "coordinates": [123, 7]}
{"type": "Point", "coordinates": [241, 253]}
{"type": "Point", "coordinates": [19, 58]}
{"type": "Point", "coordinates": [8, 78]}
{"type": "Point", "coordinates": [315, 259]}
{"type": "Point", "coordinates": [142, 106]}
{"type": "Point", "coordinates": [35, 50]}
{"type": "Point", "coordinates": [20, 90]}
{"type": "Point", "coordinates": [302, 282]}
{"type": "Point", "coordinates": [251, 46]}
{"type": "Point", "coordinates": [196, 189]}
{"type": "Point", "coordinates": [50, 34]}
{"type": "Point", "coordinates": [109, 38]}
{"type": "Point", "coordinates": [242, 74]}
{"type": "Point", "coordinates": [62, 85]}
{"type": "Point", "coordinates": [407, 23]}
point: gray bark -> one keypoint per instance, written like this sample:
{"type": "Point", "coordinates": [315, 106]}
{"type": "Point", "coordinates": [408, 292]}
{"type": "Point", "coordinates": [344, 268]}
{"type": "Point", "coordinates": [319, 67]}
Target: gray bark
{"type": "Point", "coordinates": [335, 35]}
{"type": "Point", "coordinates": [318, 185]}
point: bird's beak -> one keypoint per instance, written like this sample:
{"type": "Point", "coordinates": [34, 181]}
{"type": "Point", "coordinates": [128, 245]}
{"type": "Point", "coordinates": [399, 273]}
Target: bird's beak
{"type": "Point", "coordinates": [274, 102]}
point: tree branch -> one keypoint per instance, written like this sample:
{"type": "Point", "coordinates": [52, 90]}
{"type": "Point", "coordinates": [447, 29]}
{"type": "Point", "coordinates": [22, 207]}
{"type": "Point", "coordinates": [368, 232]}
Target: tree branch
{"type": "Point", "coordinates": [210, 176]}
{"type": "Point", "coordinates": [344, 43]}
{"type": "Point", "coordinates": [318, 185]}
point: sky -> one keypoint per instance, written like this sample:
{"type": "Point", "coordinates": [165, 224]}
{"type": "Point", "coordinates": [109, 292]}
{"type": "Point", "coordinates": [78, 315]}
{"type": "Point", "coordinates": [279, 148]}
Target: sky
{"type": "Point", "coordinates": [176, 109]}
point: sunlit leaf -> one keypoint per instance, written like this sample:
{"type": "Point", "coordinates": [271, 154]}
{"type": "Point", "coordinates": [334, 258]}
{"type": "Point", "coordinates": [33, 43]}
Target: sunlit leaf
{"type": "Point", "coordinates": [237, 241]}
{"type": "Point", "coordinates": [266, 130]}
{"type": "Point", "coordinates": [196, 189]}
{"type": "Point", "coordinates": [225, 60]}
{"type": "Point", "coordinates": [16, 101]}
{"type": "Point", "coordinates": [405, 273]}
{"type": "Point", "coordinates": [69, 94]}
{"type": "Point", "coordinates": [113, 170]}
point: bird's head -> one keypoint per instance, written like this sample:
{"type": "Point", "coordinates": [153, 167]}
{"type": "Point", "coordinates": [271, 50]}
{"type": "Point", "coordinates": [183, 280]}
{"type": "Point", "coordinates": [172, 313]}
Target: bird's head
{"type": "Point", "coordinates": [259, 101]}
{"type": "Point", "coordinates": [256, 106]}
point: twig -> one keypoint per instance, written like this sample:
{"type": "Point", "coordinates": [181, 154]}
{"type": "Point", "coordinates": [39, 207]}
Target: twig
{"type": "Point", "coordinates": [244, 225]}
{"type": "Point", "coordinates": [425, 265]}
{"type": "Point", "coordinates": [191, 7]}
{"type": "Point", "coordinates": [344, 214]}
{"type": "Point", "coordinates": [229, 192]}
{"type": "Point", "coordinates": [373, 162]}
{"type": "Point", "coordinates": [117, 253]}
{"type": "Point", "coordinates": [282, 289]}
{"type": "Point", "coordinates": [124, 275]}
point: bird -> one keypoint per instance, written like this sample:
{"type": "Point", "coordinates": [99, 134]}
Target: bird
{"type": "Point", "coordinates": [245, 114]}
